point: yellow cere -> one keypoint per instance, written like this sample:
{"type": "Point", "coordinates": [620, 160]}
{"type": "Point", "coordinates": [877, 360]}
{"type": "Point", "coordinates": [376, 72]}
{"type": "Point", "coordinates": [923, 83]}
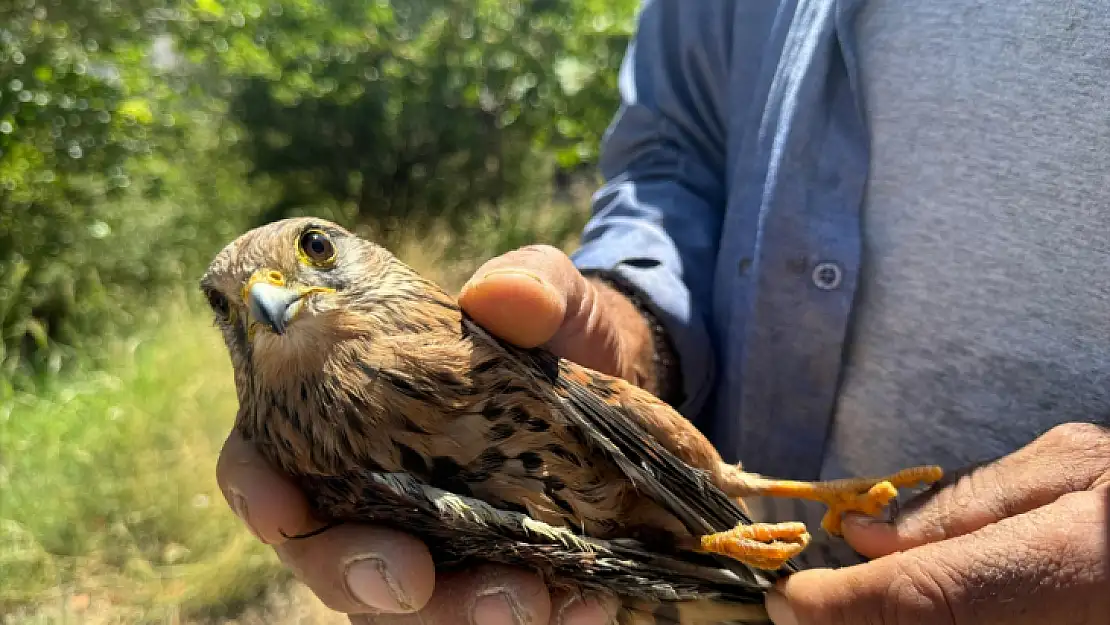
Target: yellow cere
{"type": "Point", "coordinates": [276, 278]}
{"type": "Point", "coordinates": [262, 275]}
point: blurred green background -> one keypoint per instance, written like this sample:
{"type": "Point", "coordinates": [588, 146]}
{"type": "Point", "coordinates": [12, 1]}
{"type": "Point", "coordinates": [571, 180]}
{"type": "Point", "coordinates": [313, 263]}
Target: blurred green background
{"type": "Point", "coordinates": [137, 137]}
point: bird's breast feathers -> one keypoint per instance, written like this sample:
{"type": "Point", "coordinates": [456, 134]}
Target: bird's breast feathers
{"type": "Point", "coordinates": [406, 405]}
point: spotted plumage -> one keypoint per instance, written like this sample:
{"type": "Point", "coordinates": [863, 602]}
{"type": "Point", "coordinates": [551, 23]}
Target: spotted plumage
{"type": "Point", "coordinates": [366, 383]}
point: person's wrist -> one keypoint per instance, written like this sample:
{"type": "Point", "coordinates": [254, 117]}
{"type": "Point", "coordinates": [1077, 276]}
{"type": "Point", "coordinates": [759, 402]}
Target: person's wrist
{"type": "Point", "coordinates": [634, 342]}
{"type": "Point", "coordinates": [647, 358]}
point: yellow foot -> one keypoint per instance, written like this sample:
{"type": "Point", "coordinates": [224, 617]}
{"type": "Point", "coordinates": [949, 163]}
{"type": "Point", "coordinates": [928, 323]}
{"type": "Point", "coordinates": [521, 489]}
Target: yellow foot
{"type": "Point", "coordinates": [870, 503]}
{"type": "Point", "coordinates": [866, 495]}
{"type": "Point", "coordinates": [762, 545]}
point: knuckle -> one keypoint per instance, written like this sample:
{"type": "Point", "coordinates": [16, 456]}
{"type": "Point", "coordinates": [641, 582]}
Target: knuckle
{"type": "Point", "coordinates": [985, 487]}
{"type": "Point", "coordinates": [943, 514]}
{"type": "Point", "coordinates": [1081, 453]}
{"type": "Point", "coordinates": [1078, 435]}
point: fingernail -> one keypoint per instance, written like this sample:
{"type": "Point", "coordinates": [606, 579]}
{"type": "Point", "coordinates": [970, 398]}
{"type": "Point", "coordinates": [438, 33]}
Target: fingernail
{"type": "Point", "coordinates": [239, 505]}
{"type": "Point", "coordinates": [867, 523]}
{"type": "Point", "coordinates": [370, 582]}
{"type": "Point", "coordinates": [498, 608]}
{"type": "Point", "coordinates": [584, 612]}
{"type": "Point", "coordinates": [513, 272]}
{"type": "Point", "coordinates": [779, 610]}
{"type": "Point", "coordinates": [517, 273]}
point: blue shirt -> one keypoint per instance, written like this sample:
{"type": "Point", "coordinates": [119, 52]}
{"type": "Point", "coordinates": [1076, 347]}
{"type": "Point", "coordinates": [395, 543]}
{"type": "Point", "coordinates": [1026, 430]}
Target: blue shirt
{"type": "Point", "coordinates": [735, 173]}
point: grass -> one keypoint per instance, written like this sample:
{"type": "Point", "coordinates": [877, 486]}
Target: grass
{"type": "Point", "coordinates": [109, 490]}
{"type": "Point", "coordinates": [109, 508]}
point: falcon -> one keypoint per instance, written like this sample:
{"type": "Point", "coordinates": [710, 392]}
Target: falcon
{"type": "Point", "coordinates": [369, 386]}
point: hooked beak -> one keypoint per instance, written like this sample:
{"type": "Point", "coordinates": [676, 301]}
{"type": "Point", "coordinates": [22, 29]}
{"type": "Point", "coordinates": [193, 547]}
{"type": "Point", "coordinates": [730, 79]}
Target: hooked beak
{"type": "Point", "coordinates": [272, 303]}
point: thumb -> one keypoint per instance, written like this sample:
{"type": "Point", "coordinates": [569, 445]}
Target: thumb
{"type": "Point", "coordinates": [535, 296]}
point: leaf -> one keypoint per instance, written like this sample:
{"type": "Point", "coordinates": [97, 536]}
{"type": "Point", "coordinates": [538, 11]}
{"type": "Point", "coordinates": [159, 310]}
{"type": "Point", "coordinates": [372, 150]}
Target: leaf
{"type": "Point", "coordinates": [210, 7]}
{"type": "Point", "coordinates": [573, 74]}
{"type": "Point", "coordinates": [137, 109]}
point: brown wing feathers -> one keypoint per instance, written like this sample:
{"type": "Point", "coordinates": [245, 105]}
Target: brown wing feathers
{"type": "Point", "coordinates": [686, 492]}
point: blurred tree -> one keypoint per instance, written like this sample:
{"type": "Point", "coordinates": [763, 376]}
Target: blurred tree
{"type": "Point", "coordinates": [415, 110]}
{"type": "Point", "coordinates": [137, 136]}
{"type": "Point", "coordinates": [109, 188]}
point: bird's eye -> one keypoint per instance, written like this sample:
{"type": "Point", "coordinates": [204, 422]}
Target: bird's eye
{"type": "Point", "coordinates": [317, 248]}
{"type": "Point", "coordinates": [218, 302]}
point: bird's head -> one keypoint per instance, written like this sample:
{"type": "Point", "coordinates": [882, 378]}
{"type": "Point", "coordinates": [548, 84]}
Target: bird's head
{"type": "Point", "coordinates": [288, 290]}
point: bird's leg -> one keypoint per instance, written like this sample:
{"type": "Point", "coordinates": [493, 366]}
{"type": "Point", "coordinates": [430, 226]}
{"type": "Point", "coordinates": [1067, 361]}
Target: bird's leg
{"type": "Point", "coordinates": [866, 495]}
{"type": "Point", "coordinates": [770, 545]}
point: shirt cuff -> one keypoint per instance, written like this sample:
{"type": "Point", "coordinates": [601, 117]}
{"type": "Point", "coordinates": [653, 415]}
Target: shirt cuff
{"type": "Point", "coordinates": [668, 299]}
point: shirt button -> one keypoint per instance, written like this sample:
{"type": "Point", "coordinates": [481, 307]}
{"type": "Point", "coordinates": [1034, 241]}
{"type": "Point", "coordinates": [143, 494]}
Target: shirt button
{"type": "Point", "coordinates": [827, 276]}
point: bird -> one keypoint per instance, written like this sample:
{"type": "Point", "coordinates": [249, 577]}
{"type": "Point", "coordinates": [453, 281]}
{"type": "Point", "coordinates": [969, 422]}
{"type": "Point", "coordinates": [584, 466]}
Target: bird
{"type": "Point", "coordinates": [368, 385]}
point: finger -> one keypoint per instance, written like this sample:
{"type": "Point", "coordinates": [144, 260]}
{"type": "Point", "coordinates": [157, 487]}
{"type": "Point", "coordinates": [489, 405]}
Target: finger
{"type": "Point", "coordinates": [1051, 565]}
{"type": "Point", "coordinates": [536, 296]}
{"type": "Point", "coordinates": [357, 569]}
{"type": "Point", "coordinates": [1069, 458]}
{"type": "Point", "coordinates": [580, 608]}
{"type": "Point", "coordinates": [488, 595]}
{"type": "Point", "coordinates": [267, 502]}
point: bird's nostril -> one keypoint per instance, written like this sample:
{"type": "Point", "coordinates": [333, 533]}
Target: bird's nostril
{"type": "Point", "coordinates": [275, 278]}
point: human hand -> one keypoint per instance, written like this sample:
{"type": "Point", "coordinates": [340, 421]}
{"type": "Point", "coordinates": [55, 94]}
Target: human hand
{"type": "Point", "coordinates": [532, 296]}
{"type": "Point", "coordinates": [1021, 541]}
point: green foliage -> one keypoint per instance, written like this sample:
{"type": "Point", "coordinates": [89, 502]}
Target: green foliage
{"type": "Point", "coordinates": [415, 109]}
{"type": "Point", "coordinates": [115, 181]}
{"type": "Point", "coordinates": [137, 136]}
